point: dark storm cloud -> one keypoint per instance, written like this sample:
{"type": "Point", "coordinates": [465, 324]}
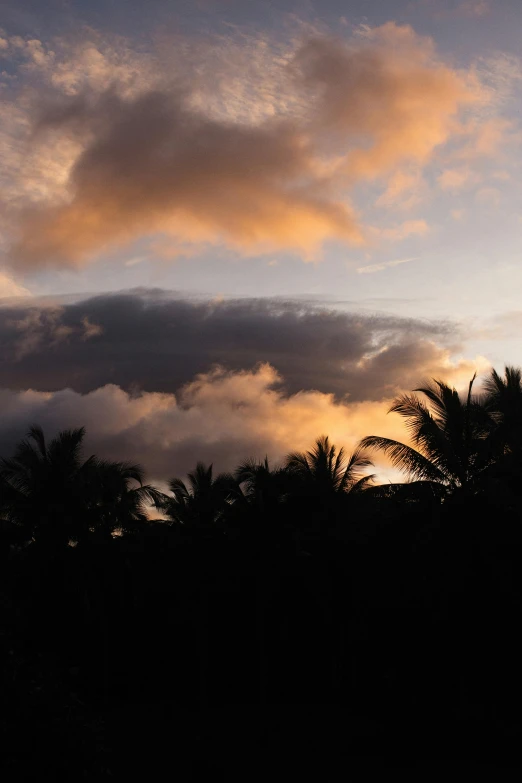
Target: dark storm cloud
{"type": "Point", "coordinates": [150, 341]}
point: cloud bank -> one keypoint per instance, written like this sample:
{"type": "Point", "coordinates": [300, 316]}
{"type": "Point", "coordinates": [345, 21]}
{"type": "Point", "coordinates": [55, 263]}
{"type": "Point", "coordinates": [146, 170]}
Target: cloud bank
{"type": "Point", "coordinates": [220, 417]}
{"type": "Point", "coordinates": [167, 381]}
{"type": "Point", "coordinates": [150, 341]}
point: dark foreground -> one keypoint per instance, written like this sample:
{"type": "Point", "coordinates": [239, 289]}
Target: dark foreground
{"type": "Point", "coordinates": [195, 655]}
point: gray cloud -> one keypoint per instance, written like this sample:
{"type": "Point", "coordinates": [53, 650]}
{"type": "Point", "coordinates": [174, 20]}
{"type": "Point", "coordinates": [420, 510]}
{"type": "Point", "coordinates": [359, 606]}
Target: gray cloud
{"type": "Point", "coordinates": [152, 342]}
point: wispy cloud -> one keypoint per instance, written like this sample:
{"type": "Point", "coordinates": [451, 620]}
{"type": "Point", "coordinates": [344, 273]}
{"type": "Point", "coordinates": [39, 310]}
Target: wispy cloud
{"type": "Point", "coordinates": [372, 268]}
{"type": "Point", "coordinates": [457, 179]}
{"type": "Point", "coordinates": [404, 230]}
{"type": "Point", "coordinates": [474, 7]}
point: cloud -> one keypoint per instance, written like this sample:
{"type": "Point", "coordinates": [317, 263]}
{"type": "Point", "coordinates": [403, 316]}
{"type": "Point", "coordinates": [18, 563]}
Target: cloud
{"type": "Point", "coordinates": [405, 189]}
{"type": "Point", "coordinates": [474, 7]}
{"type": "Point", "coordinates": [458, 214]}
{"type": "Point", "coordinates": [404, 230]}
{"type": "Point", "coordinates": [486, 139]}
{"type": "Point", "coordinates": [121, 145]}
{"type": "Point", "coordinates": [390, 90]}
{"type": "Point", "coordinates": [456, 179]}
{"type": "Point", "coordinates": [35, 330]}
{"type": "Point", "coordinates": [158, 167]}
{"type": "Point", "coordinates": [449, 8]}
{"type": "Point", "coordinates": [502, 327]}
{"type": "Point", "coordinates": [220, 417]}
{"type": "Point", "coordinates": [501, 175]}
{"type": "Point", "coordinates": [372, 268]}
{"type": "Point", "coordinates": [10, 288]}
{"type": "Point", "coordinates": [153, 342]}
{"type": "Point", "coordinates": [489, 197]}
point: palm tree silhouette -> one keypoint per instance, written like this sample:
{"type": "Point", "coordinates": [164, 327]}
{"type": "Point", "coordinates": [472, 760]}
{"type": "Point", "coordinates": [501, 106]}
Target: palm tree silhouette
{"type": "Point", "coordinates": [325, 480]}
{"type": "Point", "coordinates": [503, 399]}
{"type": "Point", "coordinates": [45, 487]}
{"type": "Point", "coordinates": [326, 471]}
{"type": "Point", "coordinates": [450, 435]}
{"type": "Point", "coordinates": [202, 500]}
{"type": "Point", "coordinates": [263, 488]}
{"type": "Point", "coordinates": [120, 499]}
{"type": "Point", "coordinates": [51, 493]}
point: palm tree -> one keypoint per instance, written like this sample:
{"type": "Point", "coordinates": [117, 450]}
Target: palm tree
{"type": "Point", "coordinates": [45, 486]}
{"type": "Point", "coordinates": [202, 500]}
{"type": "Point", "coordinates": [326, 471]}
{"type": "Point", "coordinates": [325, 482]}
{"type": "Point", "coordinates": [120, 499]}
{"type": "Point", "coordinates": [449, 433]}
{"type": "Point", "coordinates": [503, 399]}
{"type": "Point", "coordinates": [264, 488]}
{"type": "Point", "coordinates": [51, 493]}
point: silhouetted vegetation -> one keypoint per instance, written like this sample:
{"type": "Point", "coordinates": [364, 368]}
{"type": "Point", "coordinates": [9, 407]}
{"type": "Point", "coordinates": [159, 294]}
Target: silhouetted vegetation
{"type": "Point", "coordinates": [296, 614]}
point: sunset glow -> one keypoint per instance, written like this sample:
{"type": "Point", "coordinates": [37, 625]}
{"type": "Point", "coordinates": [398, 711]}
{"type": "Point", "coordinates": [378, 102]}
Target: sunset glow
{"type": "Point", "coordinates": [242, 228]}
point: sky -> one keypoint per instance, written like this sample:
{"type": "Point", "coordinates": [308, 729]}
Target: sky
{"type": "Point", "coordinates": [227, 228]}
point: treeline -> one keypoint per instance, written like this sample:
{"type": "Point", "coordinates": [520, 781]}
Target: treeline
{"type": "Point", "coordinates": [304, 596]}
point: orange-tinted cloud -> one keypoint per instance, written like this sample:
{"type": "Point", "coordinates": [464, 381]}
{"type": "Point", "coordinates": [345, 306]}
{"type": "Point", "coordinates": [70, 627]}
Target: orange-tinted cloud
{"type": "Point", "coordinates": [389, 91]}
{"type": "Point", "coordinates": [156, 166]}
{"type": "Point", "coordinates": [147, 159]}
{"type": "Point", "coordinates": [455, 179]}
{"type": "Point", "coordinates": [220, 417]}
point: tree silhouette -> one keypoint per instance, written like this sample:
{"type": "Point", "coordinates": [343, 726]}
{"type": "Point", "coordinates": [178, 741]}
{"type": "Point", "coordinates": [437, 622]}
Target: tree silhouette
{"type": "Point", "coordinates": [54, 496]}
{"type": "Point", "coordinates": [450, 435]}
{"type": "Point", "coordinates": [202, 500]}
{"type": "Point", "coordinates": [277, 585]}
{"type": "Point", "coordinates": [263, 488]}
{"type": "Point", "coordinates": [326, 471]}
{"type": "Point", "coordinates": [503, 399]}
{"type": "Point", "coordinates": [46, 487]}
{"type": "Point", "coordinates": [120, 499]}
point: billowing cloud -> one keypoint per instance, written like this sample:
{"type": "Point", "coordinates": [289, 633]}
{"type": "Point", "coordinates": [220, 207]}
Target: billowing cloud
{"type": "Point", "coordinates": [153, 342]}
{"type": "Point", "coordinates": [156, 166]}
{"type": "Point", "coordinates": [133, 151]}
{"type": "Point", "coordinates": [220, 417]}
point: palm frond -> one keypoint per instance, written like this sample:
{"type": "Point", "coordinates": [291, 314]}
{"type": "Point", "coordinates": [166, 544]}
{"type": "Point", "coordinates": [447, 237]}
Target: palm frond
{"type": "Point", "coordinates": [178, 488]}
{"type": "Point", "coordinates": [405, 458]}
{"type": "Point", "coordinates": [36, 433]}
{"type": "Point", "coordinates": [362, 484]}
